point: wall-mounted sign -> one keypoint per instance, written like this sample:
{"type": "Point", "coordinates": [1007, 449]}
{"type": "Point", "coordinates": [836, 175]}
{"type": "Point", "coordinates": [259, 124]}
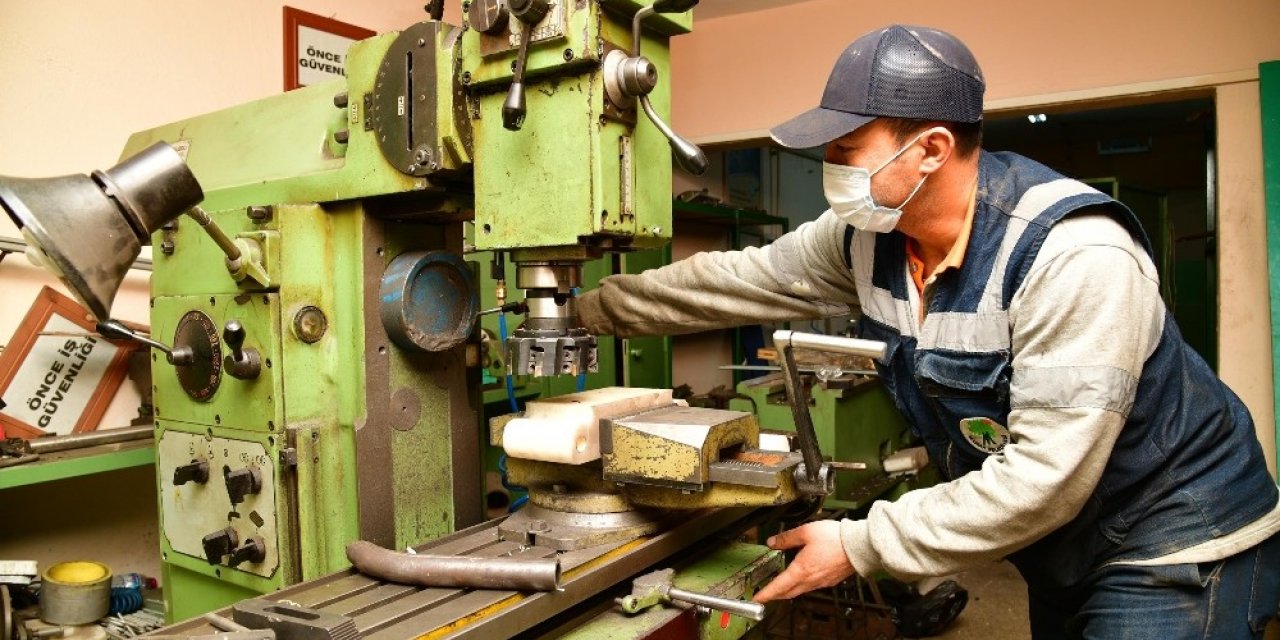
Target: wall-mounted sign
{"type": "Point", "coordinates": [57, 375]}
{"type": "Point", "coordinates": [315, 47]}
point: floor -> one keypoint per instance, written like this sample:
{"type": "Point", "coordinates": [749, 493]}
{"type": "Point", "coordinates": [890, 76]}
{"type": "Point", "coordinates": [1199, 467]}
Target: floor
{"type": "Point", "coordinates": [997, 608]}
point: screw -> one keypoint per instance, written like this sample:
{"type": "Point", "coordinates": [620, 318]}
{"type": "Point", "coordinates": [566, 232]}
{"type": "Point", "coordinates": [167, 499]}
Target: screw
{"type": "Point", "coordinates": [167, 247]}
{"type": "Point", "coordinates": [422, 42]}
{"type": "Point", "coordinates": [466, 77]}
{"type": "Point", "coordinates": [341, 136]}
{"type": "Point", "coordinates": [568, 55]}
{"type": "Point", "coordinates": [657, 231]}
{"type": "Point", "coordinates": [340, 100]}
{"type": "Point", "coordinates": [258, 214]}
{"type": "Point", "coordinates": [413, 168]}
{"type": "Point", "coordinates": [421, 155]}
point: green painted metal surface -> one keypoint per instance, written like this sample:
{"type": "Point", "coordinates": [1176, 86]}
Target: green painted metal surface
{"type": "Point", "coordinates": [858, 424]}
{"type": "Point", "coordinates": [281, 149]}
{"type": "Point", "coordinates": [574, 181]}
{"type": "Point", "coordinates": [75, 464]}
{"type": "Point", "coordinates": [728, 568]}
{"type": "Point", "coordinates": [1269, 87]}
{"type": "Point", "coordinates": [206, 594]}
{"type": "Point", "coordinates": [573, 170]}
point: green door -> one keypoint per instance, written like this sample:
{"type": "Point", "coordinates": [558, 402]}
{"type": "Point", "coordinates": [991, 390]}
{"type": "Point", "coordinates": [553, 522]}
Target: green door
{"type": "Point", "coordinates": [1269, 87]}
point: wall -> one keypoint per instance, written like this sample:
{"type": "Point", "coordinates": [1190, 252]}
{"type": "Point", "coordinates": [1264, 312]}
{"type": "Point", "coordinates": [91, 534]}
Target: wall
{"type": "Point", "coordinates": [79, 77]}
{"type": "Point", "coordinates": [736, 76]}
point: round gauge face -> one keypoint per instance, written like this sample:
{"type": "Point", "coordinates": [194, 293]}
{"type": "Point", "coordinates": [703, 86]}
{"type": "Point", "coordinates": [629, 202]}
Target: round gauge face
{"type": "Point", "coordinates": [198, 332]}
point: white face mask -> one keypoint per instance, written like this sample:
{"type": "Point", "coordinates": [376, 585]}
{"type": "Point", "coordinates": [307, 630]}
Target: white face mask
{"type": "Point", "coordinates": [848, 191]}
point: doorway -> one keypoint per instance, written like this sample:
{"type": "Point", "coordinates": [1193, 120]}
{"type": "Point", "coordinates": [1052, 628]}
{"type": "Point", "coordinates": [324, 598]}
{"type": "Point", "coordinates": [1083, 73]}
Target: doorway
{"type": "Point", "coordinates": [1157, 158]}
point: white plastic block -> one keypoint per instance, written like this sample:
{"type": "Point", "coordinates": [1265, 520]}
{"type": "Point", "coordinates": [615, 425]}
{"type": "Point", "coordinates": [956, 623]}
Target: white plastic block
{"type": "Point", "coordinates": [566, 429]}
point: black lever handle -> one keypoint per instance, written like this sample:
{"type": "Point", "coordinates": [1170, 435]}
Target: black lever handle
{"type": "Point", "coordinates": [241, 363]}
{"type": "Point", "coordinates": [218, 544]}
{"type": "Point", "coordinates": [233, 334]}
{"type": "Point", "coordinates": [529, 13]}
{"type": "Point", "coordinates": [253, 550]}
{"type": "Point", "coordinates": [196, 471]}
{"type": "Point", "coordinates": [242, 482]}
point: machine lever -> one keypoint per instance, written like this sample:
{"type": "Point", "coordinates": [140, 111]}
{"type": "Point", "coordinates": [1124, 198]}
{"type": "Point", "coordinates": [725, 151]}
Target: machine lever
{"type": "Point", "coordinates": [218, 544]}
{"type": "Point", "coordinates": [242, 482]}
{"type": "Point", "coordinates": [241, 363]}
{"type": "Point", "coordinates": [529, 13]}
{"type": "Point", "coordinates": [655, 588]}
{"type": "Point", "coordinates": [688, 155]}
{"type": "Point", "coordinates": [814, 476]}
{"type": "Point", "coordinates": [196, 471]}
{"type": "Point", "coordinates": [253, 550]}
{"type": "Point", "coordinates": [116, 330]}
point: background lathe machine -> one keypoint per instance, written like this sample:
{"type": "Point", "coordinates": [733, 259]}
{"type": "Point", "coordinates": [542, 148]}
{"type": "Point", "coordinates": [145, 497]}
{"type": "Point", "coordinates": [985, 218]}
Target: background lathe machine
{"type": "Point", "coordinates": [315, 361]}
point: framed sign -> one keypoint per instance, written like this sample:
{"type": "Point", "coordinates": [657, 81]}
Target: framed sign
{"type": "Point", "coordinates": [315, 47]}
{"type": "Point", "coordinates": [57, 375]}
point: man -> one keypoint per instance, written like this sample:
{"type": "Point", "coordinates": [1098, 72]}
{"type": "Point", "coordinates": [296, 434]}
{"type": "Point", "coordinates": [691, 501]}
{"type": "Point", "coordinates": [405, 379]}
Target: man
{"type": "Point", "coordinates": [1027, 345]}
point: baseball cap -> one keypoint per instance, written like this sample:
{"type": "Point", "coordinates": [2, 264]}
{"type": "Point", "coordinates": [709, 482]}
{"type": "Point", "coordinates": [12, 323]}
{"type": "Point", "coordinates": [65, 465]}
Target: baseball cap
{"type": "Point", "coordinates": [897, 71]}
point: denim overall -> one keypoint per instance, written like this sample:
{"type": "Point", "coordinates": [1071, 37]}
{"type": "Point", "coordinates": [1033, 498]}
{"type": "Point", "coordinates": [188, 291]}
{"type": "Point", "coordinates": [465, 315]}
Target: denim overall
{"type": "Point", "coordinates": [1187, 467]}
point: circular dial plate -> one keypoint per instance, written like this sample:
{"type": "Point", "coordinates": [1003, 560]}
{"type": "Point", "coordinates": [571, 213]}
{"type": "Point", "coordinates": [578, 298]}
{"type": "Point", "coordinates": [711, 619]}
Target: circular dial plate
{"type": "Point", "coordinates": [198, 332]}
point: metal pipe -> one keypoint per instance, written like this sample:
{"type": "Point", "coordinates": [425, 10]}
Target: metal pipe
{"type": "Point", "coordinates": [224, 624]}
{"type": "Point", "coordinates": [13, 245]}
{"type": "Point", "coordinates": [748, 610]}
{"type": "Point", "coordinates": [836, 344]}
{"type": "Point", "coordinates": [219, 236]}
{"type": "Point", "coordinates": [93, 438]}
{"type": "Point", "coordinates": [541, 574]}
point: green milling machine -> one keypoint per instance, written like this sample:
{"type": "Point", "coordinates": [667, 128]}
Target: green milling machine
{"type": "Point", "coordinates": [317, 361]}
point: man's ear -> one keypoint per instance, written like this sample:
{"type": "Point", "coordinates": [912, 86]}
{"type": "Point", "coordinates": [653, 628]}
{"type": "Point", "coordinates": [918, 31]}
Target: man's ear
{"type": "Point", "coordinates": [938, 144]}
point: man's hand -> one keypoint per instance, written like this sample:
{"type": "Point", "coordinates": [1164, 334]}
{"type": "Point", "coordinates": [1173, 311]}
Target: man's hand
{"type": "Point", "coordinates": [820, 563]}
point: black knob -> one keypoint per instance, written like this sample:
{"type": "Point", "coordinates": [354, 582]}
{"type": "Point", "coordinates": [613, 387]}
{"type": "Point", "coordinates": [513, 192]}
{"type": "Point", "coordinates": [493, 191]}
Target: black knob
{"type": "Point", "coordinates": [196, 471]}
{"type": "Point", "coordinates": [242, 482]}
{"type": "Point", "coordinates": [233, 334]}
{"type": "Point", "coordinates": [241, 363]}
{"type": "Point", "coordinates": [253, 550]}
{"type": "Point", "coordinates": [218, 544]}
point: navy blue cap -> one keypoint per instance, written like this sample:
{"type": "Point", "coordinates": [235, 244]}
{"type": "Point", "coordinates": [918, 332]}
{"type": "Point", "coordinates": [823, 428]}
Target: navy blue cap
{"type": "Point", "coordinates": [897, 71]}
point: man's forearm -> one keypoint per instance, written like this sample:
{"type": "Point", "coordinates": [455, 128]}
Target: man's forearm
{"type": "Point", "coordinates": [800, 276]}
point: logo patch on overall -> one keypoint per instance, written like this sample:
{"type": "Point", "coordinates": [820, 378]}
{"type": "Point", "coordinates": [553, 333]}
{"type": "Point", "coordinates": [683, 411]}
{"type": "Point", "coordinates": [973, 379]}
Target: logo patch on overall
{"type": "Point", "coordinates": [984, 434]}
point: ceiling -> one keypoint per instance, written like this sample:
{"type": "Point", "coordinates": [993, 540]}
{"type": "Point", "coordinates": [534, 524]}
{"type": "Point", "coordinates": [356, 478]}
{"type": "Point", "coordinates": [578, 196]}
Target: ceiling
{"type": "Point", "coordinates": [718, 8]}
